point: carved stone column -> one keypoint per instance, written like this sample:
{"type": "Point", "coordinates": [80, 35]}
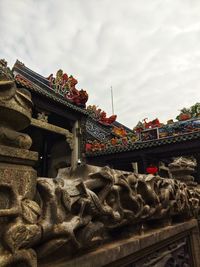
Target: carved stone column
{"type": "Point", "coordinates": [75, 151]}
{"type": "Point", "coordinates": [18, 211]}
{"type": "Point", "coordinates": [182, 169]}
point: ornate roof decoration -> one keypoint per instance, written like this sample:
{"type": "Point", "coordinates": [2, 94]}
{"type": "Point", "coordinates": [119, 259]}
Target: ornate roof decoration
{"type": "Point", "coordinates": [31, 80]}
{"type": "Point", "coordinates": [183, 169]}
{"type": "Point", "coordinates": [137, 145]}
{"type": "Point", "coordinates": [24, 82]}
{"type": "Point", "coordinates": [5, 72]}
{"type": "Point", "coordinates": [100, 115]}
{"type": "Point", "coordinates": [65, 86]}
{"type": "Point", "coordinates": [147, 134]}
{"type": "Point", "coordinates": [188, 113]}
{"type": "Point", "coordinates": [107, 137]}
{"type": "Point", "coordinates": [147, 125]}
{"type": "Point", "coordinates": [96, 130]}
{"type": "Point", "coordinates": [119, 131]}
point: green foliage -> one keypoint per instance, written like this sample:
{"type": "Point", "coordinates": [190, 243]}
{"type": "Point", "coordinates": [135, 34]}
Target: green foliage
{"type": "Point", "coordinates": [185, 111]}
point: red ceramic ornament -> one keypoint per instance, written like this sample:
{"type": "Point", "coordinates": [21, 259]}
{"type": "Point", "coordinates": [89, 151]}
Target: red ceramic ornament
{"type": "Point", "coordinates": [152, 170]}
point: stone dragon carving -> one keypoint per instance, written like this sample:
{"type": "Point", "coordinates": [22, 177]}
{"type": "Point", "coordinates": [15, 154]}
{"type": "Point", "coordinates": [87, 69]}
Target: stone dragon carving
{"type": "Point", "coordinates": [72, 212]}
{"type": "Point", "coordinates": [78, 209]}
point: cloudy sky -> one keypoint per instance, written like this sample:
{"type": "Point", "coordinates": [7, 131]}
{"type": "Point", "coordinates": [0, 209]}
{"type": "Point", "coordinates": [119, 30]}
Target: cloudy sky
{"type": "Point", "coordinates": [148, 51]}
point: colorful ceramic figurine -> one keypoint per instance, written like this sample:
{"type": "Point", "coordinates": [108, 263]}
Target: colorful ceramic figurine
{"type": "Point", "coordinates": [65, 86]}
{"type": "Point", "coordinates": [151, 124]}
{"type": "Point", "coordinates": [101, 116]}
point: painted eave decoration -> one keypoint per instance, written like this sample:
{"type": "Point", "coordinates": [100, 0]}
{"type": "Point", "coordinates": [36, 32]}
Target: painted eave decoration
{"type": "Point", "coordinates": [147, 135]}
{"type": "Point", "coordinates": [142, 145]}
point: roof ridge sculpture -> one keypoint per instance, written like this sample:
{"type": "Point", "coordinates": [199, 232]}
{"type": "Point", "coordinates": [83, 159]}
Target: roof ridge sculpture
{"type": "Point", "coordinates": [61, 89]}
{"type": "Point", "coordinates": [32, 80]}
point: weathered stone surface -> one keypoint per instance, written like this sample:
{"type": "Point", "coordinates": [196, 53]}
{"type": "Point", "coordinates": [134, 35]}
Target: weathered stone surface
{"type": "Point", "coordinates": [19, 213]}
{"type": "Point", "coordinates": [182, 169]}
{"type": "Point", "coordinates": [21, 177]}
{"type": "Point", "coordinates": [78, 211]}
{"type": "Point", "coordinates": [17, 156]}
{"type": "Point", "coordinates": [73, 213]}
{"type": "Point", "coordinates": [15, 139]}
{"type": "Point", "coordinates": [15, 106]}
{"type": "Point", "coordinates": [15, 111]}
{"type": "Point", "coordinates": [134, 248]}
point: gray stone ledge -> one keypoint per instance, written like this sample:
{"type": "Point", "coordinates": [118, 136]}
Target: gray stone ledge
{"type": "Point", "coordinates": [112, 252]}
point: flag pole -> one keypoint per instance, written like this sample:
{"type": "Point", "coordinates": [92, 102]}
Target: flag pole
{"type": "Point", "coordinates": [112, 100]}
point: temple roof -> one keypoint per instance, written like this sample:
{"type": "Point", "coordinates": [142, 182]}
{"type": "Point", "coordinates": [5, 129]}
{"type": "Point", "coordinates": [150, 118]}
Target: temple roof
{"type": "Point", "coordinates": [103, 135]}
{"type": "Point", "coordinates": [144, 144]}
{"type": "Point", "coordinates": [38, 84]}
{"type": "Point", "coordinates": [35, 82]}
{"type": "Point", "coordinates": [101, 132]}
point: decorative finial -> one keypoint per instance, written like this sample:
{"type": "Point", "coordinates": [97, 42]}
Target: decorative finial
{"type": "Point", "coordinates": [5, 72]}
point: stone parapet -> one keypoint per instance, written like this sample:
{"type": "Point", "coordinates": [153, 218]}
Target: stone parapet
{"type": "Point", "coordinates": [179, 242]}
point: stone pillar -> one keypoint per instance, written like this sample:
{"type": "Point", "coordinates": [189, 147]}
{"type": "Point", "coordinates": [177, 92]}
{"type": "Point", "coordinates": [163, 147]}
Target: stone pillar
{"type": "Point", "coordinates": [195, 245]}
{"type": "Point", "coordinates": [76, 146]}
{"type": "Point", "coordinates": [182, 169]}
{"type": "Point", "coordinates": [18, 210]}
{"type": "Point", "coordinates": [197, 157]}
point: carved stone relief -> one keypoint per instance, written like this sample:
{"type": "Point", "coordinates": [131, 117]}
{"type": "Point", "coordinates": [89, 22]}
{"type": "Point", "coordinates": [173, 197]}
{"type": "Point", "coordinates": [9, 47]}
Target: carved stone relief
{"type": "Point", "coordinates": [174, 255]}
{"type": "Point", "coordinates": [19, 213]}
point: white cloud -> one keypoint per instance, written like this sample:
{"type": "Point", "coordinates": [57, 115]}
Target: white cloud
{"type": "Point", "coordinates": [147, 50]}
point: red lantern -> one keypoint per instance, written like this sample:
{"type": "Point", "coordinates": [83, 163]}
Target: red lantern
{"type": "Point", "coordinates": [152, 170]}
{"type": "Point", "coordinates": [88, 147]}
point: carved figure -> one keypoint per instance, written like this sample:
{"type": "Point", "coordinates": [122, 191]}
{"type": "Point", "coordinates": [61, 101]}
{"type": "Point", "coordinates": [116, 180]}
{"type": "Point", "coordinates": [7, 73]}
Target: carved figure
{"type": "Point", "coordinates": [182, 169]}
{"type": "Point", "coordinates": [101, 116]}
{"type": "Point", "coordinates": [78, 97]}
{"type": "Point", "coordinates": [107, 121]}
{"type": "Point", "coordinates": [66, 86]}
{"type": "Point", "coordinates": [119, 131]}
{"type": "Point", "coordinates": [139, 127]}
{"type": "Point", "coordinates": [151, 124]}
